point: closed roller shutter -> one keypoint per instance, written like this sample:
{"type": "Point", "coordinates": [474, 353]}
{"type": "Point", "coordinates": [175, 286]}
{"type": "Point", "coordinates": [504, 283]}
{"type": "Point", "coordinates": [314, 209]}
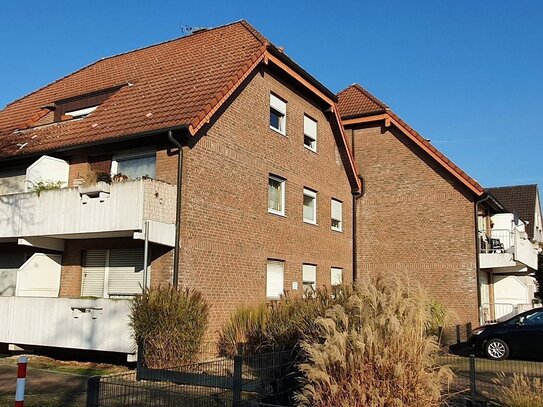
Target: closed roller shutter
{"type": "Point", "coordinates": [94, 272]}
{"type": "Point", "coordinates": [118, 270]}
{"type": "Point", "coordinates": [9, 264]}
{"type": "Point", "coordinates": [125, 272]}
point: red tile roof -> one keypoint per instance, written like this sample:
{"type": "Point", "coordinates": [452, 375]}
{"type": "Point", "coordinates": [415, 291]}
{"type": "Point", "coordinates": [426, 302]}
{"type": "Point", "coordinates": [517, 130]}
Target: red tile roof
{"type": "Point", "coordinates": [355, 101]}
{"type": "Point", "coordinates": [174, 83]}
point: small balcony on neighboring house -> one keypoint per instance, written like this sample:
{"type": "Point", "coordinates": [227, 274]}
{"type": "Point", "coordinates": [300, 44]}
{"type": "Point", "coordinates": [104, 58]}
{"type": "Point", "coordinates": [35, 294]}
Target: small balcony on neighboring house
{"type": "Point", "coordinates": [506, 246]}
{"type": "Point", "coordinates": [31, 312]}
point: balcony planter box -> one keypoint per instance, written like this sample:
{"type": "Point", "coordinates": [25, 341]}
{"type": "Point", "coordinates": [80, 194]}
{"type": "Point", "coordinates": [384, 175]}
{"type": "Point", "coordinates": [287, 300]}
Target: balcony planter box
{"type": "Point", "coordinates": [95, 189]}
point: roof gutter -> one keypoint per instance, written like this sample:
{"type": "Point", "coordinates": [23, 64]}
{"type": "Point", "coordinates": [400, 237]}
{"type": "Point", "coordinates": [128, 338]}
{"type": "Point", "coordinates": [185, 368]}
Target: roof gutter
{"type": "Point", "coordinates": [132, 136]}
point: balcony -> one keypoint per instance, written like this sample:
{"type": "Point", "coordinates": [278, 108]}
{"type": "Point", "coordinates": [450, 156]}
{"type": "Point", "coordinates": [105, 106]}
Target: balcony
{"type": "Point", "coordinates": [99, 325]}
{"type": "Point", "coordinates": [121, 209]}
{"type": "Point", "coordinates": [509, 248]}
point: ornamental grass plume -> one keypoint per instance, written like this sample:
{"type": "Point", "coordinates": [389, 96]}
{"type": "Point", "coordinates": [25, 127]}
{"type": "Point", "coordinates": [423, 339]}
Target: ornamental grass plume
{"type": "Point", "coordinates": [523, 392]}
{"type": "Point", "coordinates": [374, 350]}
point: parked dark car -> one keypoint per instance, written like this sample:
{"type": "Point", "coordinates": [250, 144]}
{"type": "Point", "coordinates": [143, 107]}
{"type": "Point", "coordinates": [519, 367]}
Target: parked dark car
{"type": "Point", "coordinates": [521, 335]}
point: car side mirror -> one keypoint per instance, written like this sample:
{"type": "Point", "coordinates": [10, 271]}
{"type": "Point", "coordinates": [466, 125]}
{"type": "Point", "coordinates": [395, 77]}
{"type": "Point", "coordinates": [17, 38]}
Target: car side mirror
{"type": "Point", "coordinates": [519, 323]}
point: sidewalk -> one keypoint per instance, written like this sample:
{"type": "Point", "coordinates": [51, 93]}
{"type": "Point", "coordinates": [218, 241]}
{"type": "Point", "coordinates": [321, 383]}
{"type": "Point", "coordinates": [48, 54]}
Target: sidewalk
{"type": "Point", "coordinates": [44, 388]}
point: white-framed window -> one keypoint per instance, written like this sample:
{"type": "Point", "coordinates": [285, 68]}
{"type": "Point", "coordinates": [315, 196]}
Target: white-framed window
{"type": "Point", "coordinates": [135, 163]}
{"type": "Point", "coordinates": [275, 276]}
{"type": "Point", "coordinates": [80, 113]}
{"type": "Point", "coordinates": [336, 276]}
{"type": "Point", "coordinates": [278, 114]}
{"type": "Point", "coordinates": [310, 206]}
{"type": "Point", "coordinates": [309, 278]}
{"type": "Point", "coordinates": [310, 133]}
{"type": "Point", "coordinates": [113, 273]}
{"type": "Point", "coordinates": [276, 195]}
{"type": "Point", "coordinates": [337, 215]}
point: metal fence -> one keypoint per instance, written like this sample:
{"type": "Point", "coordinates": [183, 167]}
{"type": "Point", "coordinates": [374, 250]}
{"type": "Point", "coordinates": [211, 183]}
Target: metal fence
{"type": "Point", "coordinates": [484, 382]}
{"type": "Point", "coordinates": [244, 380]}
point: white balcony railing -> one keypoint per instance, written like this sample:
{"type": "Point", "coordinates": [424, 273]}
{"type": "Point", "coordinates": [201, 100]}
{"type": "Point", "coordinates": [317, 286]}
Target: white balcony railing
{"type": "Point", "coordinates": [66, 213]}
{"type": "Point", "coordinates": [506, 248]}
{"type": "Point", "coordinates": [100, 325]}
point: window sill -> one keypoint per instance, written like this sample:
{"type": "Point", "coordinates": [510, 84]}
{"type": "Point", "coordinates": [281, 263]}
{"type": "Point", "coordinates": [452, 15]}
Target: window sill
{"type": "Point", "coordinates": [307, 222]}
{"type": "Point", "coordinates": [337, 230]}
{"type": "Point", "coordinates": [277, 213]}
{"type": "Point", "coordinates": [283, 133]}
{"type": "Point", "coordinates": [310, 149]}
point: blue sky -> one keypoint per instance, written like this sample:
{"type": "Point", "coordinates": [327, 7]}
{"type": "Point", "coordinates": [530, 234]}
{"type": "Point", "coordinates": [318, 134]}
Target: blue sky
{"type": "Point", "coordinates": [466, 74]}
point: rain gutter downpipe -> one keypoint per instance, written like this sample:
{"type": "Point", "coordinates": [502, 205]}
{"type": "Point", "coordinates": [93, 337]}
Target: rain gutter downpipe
{"type": "Point", "coordinates": [356, 196]}
{"type": "Point", "coordinates": [175, 278]}
{"type": "Point", "coordinates": [478, 254]}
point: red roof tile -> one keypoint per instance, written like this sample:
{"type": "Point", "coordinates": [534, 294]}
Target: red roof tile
{"type": "Point", "coordinates": [355, 101]}
{"type": "Point", "coordinates": [174, 83]}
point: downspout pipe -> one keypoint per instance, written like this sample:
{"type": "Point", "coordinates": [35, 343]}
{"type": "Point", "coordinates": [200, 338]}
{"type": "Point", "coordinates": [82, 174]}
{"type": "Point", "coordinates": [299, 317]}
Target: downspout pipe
{"type": "Point", "coordinates": [355, 223]}
{"type": "Point", "coordinates": [478, 253]}
{"type": "Point", "coordinates": [175, 278]}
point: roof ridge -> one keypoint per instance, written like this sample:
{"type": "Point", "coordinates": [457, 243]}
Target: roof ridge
{"type": "Point", "coordinates": [129, 52]}
{"type": "Point", "coordinates": [513, 186]}
{"type": "Point", "coordinates": [371, 96]}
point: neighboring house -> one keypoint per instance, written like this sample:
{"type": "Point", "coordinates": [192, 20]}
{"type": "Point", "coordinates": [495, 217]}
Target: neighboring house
{"type": "Point", "coordinates": [418, 211]}
{"type": "Point", "coordinates": [510, 243]}
{"type": "Point", "coordinates": [266, 193]}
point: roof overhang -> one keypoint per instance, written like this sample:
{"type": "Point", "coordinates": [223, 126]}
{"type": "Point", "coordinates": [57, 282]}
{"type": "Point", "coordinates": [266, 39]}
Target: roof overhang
{"type": "Point", "coordinates": [390, 118]}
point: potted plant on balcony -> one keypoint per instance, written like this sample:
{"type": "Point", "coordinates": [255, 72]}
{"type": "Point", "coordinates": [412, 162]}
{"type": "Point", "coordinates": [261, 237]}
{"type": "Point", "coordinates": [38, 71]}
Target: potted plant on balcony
{"type": "Point", "coordinates": [94, 183]}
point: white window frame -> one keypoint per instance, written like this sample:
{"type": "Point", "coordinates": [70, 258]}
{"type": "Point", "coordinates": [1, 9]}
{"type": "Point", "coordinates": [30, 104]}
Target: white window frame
{"type": "Point", "coordinates": [129, 154]}
{"type": "Point", "coordinates": [336, 218]}
{"type": "Point", "coordinates": [280, 106]}
{"type": "Point", "coordinates": [80, 113]}
{"type": "Point", "coordinates": [312, 194]}
{"type": "Point", "coordinates": [310, 126]}
{"type": "Point", "coordinates": [274, 294]}
{"type": "Point", "coordinates": [283, 192]}
{"type": "Point", "coordinates": [335, 270]}
{"type": "Point", "coordinates": [309, 275]}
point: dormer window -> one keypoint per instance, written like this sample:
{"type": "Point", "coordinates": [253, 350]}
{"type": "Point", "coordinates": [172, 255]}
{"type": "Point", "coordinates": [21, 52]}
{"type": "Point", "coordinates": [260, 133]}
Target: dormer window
{"type": "Point", "coordinates": [78, 107]}
{"type": "Point", "coordinates": [80, 113]}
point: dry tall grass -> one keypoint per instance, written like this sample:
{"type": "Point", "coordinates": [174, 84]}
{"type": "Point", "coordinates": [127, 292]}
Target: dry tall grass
{"type": "Point", "coordinates": [374, 351]}
{"type": "Point", "coordinates": [523, 392]}
{"type": "Point", "coordinates": [171, 324]}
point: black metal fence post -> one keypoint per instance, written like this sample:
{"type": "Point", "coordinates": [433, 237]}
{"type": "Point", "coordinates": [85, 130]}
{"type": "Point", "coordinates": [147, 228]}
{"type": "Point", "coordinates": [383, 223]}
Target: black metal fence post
{"type": "Point", "coordinates": [468, 329]}
{"type": "Point", "coordinates": [139, 361]}
{"type": "Point", "coordinates": [458, 339]}
{"type": "Point", "coordinates": [236, 381]}
{"type": "Point", "coordinates": [93, 391]}
{"type": "Point", "coordinates": [472, 380]}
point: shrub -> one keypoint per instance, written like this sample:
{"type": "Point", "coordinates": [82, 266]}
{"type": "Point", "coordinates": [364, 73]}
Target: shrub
{"type": "Point", "coordinates": [170, 323]}
{"type": "Point", "coordinates": [280, 326]}
{"type": "Point", "coordinates": [246, 326]}
{"type": "Point", "coordinates": [523, 392]}
{"type": "Point", "coordinates": [374, 350]}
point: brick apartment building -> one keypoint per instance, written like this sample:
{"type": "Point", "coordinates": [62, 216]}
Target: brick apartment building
{"type": "Point", "coordinates": [267, 185]}
{"type": "Point", "coordinates": [417, 214]}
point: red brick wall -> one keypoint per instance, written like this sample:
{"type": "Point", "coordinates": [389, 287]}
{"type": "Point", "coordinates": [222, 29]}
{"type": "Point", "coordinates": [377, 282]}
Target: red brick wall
{"type": "Point", "coordinates": [415, 217]}
{"type": "Point", "coordinates": [227, 232]}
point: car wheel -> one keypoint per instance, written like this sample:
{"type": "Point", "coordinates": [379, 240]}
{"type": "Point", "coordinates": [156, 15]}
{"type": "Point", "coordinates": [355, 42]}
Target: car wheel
{"type": "Point", "coordinates": [497, 349]}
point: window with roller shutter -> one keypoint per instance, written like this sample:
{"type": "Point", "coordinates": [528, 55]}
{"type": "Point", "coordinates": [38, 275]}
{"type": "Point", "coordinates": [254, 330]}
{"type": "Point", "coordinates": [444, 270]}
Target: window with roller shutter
{"type": "Point", "coordinates": [113, 273]}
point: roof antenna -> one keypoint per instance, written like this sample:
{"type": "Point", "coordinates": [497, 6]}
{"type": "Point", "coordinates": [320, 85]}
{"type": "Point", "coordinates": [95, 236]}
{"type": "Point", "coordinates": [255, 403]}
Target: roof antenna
{"type": "Point", "coordinates": [188, 30]}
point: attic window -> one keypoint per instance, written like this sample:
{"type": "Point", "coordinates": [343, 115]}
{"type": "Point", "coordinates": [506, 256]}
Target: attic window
{"type": "Point", "coordinates": [76, 114]}
{"type": "Point", "coordinates": [80, 106]}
